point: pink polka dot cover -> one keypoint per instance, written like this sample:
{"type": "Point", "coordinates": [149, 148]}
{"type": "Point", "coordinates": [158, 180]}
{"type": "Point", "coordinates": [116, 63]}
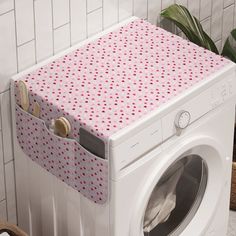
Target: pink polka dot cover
{"type": "Point", "coordinates": [103, 87]}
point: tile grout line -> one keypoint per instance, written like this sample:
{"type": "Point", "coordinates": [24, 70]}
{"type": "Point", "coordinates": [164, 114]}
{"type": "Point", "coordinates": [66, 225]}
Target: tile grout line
{"type": "Point", "coordinates": [95, 9]}
{"type": "Point", "coordinates": [118, 11]}
{"type": "Point", "coordinates": [86, 18]}
{"type": "Point", "coordinates": [199, 9]}
{"type": "Point", "coordinates": [35, 43]}
{"type": "Point", "coordinates": [211, 18]}
{"type": "Point", "coordinates": [133, 7]}
{"type": "Point", "coordinates": [70, 22]}
{"type": "Point", "coordinates": [206, 18]}
{"type": "Point", "coordinates": [3, 200]}
{"type": "Point", "coordinates": [221, 22]}
{"type": "Point", "coordinates": [7, 162]}
{"type": "Point", "coordinates": [6, 12]}
{"type": "Point", "coordinates": [4, 170]}
{"type": "Point", "coordinates": [234, 14]}
{"type": "Point", "coordinates": [53, 44]}
{"type": "Point", "coordinates": [102, 15]}
{"type": "Point", "coordinates": [224, 7]}
{"type": "Point", "coordinates": [22, 44]}
{"type": "Point", "coordinates": [67, 23]}
{"type": "Point", "coordinates": [17, 62]}
{"type": "Point", "coordinates": [14, 177]}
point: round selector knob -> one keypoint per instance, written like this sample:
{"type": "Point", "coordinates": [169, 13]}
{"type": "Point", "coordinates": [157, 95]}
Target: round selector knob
{"type": "Point", "coordinates": [182, 119]}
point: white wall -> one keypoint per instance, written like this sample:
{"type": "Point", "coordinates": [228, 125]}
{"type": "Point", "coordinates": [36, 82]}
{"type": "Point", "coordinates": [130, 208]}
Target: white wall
{"type": "Point", "coordinates": [32, 30]}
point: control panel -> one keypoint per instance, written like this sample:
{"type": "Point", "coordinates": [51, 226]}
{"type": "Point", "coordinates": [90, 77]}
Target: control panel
{"type": "Point", "coordinates": [194, 109]}
{"type": "Point", "coordinates": [221, 92]}
{"type": "Point", "coordinates": [173, 123]}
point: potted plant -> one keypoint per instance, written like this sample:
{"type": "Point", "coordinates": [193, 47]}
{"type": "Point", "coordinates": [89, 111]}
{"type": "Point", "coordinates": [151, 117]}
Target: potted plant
{"type": "Point", "coordinates": [193, 30]}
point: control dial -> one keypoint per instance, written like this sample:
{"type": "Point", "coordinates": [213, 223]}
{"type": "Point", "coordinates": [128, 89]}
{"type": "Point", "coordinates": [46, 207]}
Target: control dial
{"type": "Point", "coordinates": [182, 119]}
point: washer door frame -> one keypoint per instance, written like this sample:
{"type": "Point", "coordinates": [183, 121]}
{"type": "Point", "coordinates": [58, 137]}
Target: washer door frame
{"type": "Point", "coordinates": [213, 153]}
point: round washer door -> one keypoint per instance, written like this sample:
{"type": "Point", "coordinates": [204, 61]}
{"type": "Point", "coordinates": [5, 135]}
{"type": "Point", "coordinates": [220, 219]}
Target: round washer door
{"type": "Point", "coordinates": [188, 189]}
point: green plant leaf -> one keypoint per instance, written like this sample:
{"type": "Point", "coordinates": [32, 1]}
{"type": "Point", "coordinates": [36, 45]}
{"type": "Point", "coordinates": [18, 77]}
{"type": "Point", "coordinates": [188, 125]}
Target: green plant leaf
{"type": "Point", "coordinates": [190, 26]}
{"type": "Point", "coordinates": [229, 49]}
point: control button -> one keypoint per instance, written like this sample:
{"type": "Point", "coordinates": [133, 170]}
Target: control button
{"type": "Point", "coordinates": [182, 119]}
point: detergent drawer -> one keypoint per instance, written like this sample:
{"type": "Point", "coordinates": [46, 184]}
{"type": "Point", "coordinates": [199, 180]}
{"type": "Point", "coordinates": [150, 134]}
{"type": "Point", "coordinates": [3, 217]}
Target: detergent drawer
{"type": "Point", "coordinates": [136, 146]}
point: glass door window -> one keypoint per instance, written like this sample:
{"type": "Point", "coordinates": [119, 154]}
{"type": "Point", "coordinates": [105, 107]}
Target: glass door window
{"type": "Point", "coordinates": [176, 197]}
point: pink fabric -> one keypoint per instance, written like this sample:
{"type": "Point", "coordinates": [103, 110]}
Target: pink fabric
{"type": "Point", "coordinates": [64, 158]}
{"type": "Point", "coordinates": [103, 87]}
{"type": "Point", "coordinates": [108, 84]}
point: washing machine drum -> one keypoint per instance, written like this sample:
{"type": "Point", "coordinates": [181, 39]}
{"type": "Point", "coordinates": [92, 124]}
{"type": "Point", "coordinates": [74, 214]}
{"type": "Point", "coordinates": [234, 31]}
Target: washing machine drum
{"type": "Point", "coordinates": [176, 198]}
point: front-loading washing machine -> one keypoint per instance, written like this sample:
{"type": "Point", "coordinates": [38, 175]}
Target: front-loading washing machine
{"type": "Point", "coordinates": [187, 175]}
{"type": "Point", "coordinates": [149, 149]}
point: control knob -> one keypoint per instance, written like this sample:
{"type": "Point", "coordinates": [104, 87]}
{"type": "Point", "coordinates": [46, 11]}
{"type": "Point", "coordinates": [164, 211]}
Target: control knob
{"type": "Point", "coordinates": [182, 120]}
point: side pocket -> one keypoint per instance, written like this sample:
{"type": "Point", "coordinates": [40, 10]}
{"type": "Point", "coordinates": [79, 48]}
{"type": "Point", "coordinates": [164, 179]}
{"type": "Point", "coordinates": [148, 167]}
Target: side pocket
{"type": "Point", "coordinates": [59, 155]}
{"type": "Point", "coordinates": [92, 175]}
{"type": "Point", "coordinates": [29, 130]}
{"type": "Point", "coordinates": [74, 165]}
{"type": "Point", "coordinates": [65, 158]}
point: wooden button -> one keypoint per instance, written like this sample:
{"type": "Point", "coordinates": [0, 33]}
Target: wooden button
{"type": "Point", "coordinates": [24, 97]}
{"type": "Point", "coordinates": [62, 127]}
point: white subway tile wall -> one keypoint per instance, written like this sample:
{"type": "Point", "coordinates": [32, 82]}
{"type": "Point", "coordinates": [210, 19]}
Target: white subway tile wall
{"type": "Point", "coordinates": [78, 20]}
{"type": "Point", "coordinates": [3, 210]}
{"type": "Point", "coordinates": [93, 5]}
{"type": "Point", "coordinates": [154, 7]}
{"type": "Point", "coordinates": [166, 3]}
{"type": "Point", "coordinates": [43, 29]}
{"type": "Point", "coordinates": [2, 177]}
{"type": "Point", "coordinates": [228, 2]}
{"type": "Point", "coordinates": [140, 8]}
{"type": "Point", "coordinates": [205, 6]}
{"type": "Point", "coordinates": [194, 7]}
{"type": "Point", "coordinates": [125, 9]}
{"type": "Point", "coordinates": [8, 48]}
{"type": "Point", "coordinates": [60, 12]}
{"type": "Point", "coordinates": [216, 19]}
{"type": "Point", "coordinates": [33, 30]}
{"type": "Point", "coordinates": [24, 11]}
{"type": "Point", "coordinates": [10, 192]}
{"type": "Point", "coordinates": [6, 5]}
{"type": "Point", "coordinates": [26, 55]}
{"type": "Point", "coordinates": [61, 38]}
{"type": "Point", "coordinates": [228, 21]}
{"type": "Point", "coordinates": [6, 127]}
{"type": "Point", "coordinates": [94, 22]}
{"type": "Point", "coordinates": [110, 12]}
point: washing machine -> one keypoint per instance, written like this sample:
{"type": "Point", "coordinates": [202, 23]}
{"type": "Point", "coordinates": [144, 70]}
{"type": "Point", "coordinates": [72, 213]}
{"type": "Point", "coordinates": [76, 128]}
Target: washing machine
{"type": "Point", "coordinates": [196, 164]}
{"type": "Point", "coordinates": [150, 149]}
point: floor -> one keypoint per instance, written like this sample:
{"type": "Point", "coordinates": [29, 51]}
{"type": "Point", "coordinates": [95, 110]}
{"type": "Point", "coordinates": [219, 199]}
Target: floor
{"type": "Point", "coordinates": [232, 224]}
{"type": "Point", "coordinates": [231, 230]}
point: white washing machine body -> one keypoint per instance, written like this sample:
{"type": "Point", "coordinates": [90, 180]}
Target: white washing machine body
{"type": "Point", "coordinates": [208, 138]}
{"type": "Point", "coordinates": [196, 127]}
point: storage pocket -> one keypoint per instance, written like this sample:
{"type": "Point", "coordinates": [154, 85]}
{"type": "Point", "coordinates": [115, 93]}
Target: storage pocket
{"type": "Point", "coordinates": [28, 130]}
{"type": "Point", "coordinates": [65, 158]}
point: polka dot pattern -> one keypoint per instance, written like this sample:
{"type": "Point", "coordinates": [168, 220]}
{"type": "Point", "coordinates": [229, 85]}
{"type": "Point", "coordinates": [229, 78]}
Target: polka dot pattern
{"type": "Point", "coordinates": [104, 87]}
{"type": "Point", "coordinates": [64, 158]}
{"type": "Point", "coordinates": [109, 83]}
